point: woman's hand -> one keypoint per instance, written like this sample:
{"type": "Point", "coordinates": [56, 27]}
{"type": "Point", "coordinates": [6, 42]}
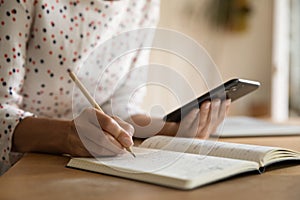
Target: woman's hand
{"type": "Point", "coordinates": [200, 123]}
{"type": "Point", "coordinates": [203, 122]}
{"type": "Point", "coordinates": [95, 133]}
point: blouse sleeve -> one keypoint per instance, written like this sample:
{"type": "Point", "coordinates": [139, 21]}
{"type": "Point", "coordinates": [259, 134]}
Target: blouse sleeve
{"type": "Point", "coordinates": [15, 22]}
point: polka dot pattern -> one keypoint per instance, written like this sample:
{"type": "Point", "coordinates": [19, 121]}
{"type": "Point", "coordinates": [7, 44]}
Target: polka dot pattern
{"type": "Point", "coordinates": [40, 40]}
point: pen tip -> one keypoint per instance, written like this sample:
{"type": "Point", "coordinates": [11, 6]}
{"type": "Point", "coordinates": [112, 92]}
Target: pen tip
{"type": "Point", "coordinates": [130, 151]}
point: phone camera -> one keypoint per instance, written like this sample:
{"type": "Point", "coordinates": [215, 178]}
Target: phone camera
{"type": "Point", "coordinates": [233, 89]}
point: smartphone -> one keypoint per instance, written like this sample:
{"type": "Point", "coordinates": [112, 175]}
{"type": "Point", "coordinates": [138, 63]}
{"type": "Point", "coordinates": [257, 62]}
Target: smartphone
{"type": "Point", "coordinates": [232, 89]}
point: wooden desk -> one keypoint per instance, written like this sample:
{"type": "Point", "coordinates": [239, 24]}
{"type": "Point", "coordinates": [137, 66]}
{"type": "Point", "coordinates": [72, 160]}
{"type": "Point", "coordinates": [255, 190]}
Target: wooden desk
{"type": "Point", "coordinates": [38, 176]}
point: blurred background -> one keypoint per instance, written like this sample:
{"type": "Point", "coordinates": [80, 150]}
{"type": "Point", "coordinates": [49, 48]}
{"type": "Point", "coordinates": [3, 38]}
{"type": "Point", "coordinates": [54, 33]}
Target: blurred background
{"type": "Point", "coordinates": [250, 39]}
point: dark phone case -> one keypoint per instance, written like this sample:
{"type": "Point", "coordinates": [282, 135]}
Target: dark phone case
{"type": "Point", "coordinates": [232, 89]}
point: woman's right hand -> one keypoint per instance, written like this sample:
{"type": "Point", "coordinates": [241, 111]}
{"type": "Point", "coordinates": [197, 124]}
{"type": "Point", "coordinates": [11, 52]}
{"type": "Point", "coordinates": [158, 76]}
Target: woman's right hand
{"type": "Point", "coordinates": [94, 133]}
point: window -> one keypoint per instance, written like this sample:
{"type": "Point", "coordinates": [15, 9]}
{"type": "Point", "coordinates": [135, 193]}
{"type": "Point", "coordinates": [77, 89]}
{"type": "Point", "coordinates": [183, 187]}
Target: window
{"type": "Point", "coordinates": [294, 106]}
{"type": "Point", "coordinates": [286, 60]}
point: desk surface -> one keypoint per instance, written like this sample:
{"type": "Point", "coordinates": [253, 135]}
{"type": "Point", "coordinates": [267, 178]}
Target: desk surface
{"type": "Point", "coordinates": [38, 176]}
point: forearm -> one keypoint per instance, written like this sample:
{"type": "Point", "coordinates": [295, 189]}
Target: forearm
{"type": "Point", "coordinates": [41, 135]}
{"type": "Point", "coordinates": [146, 126]}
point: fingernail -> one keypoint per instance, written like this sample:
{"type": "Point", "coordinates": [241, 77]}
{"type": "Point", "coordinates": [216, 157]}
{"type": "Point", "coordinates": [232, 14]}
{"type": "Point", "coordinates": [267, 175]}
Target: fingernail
{"type": "Point", "coordinates": [131, 131]}
{"type": "Point", "coordinates": [217, 101]}
{"type": "Point", "coordinates": [207, 105]}
{"type": "Point", "coordinates": [228, 102]}
{"type": "Point", "coordinates": [126, 141]}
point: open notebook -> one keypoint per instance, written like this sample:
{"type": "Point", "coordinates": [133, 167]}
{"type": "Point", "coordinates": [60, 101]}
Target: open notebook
{"type": "Point", "coordinates": [160, 160]}
{"type": "Point", "coordinates": [242, 126]}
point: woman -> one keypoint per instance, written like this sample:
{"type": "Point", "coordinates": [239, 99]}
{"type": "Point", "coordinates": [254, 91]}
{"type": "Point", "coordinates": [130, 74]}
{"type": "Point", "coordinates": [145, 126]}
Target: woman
{"type": "Point", "coordinates": [39, 41]}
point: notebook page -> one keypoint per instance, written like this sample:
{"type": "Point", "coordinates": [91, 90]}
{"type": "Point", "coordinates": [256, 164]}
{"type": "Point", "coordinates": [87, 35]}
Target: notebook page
{"type": "Point", "coordinates": [207, 147]}
{"type": "Point", "coordinates": [188, 167]}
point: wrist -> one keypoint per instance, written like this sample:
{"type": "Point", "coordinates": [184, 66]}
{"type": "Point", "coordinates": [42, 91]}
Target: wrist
{"type": "Point", "coordinates": [169, 128]}
{"type": "Point", "coordinates": [41, 135]}
{"type": "Point", "coordinates": [145, 126]}
{"type": "Point", "coordinates": [70, 130]}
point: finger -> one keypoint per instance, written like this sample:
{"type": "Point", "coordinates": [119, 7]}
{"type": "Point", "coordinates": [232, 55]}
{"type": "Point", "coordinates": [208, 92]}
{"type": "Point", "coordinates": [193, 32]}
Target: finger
{"type": "Point", "coordinates": [112, 127]}
{"type": "Point", "coordinates": [194, 127]}
{"type": "Point", "coordinates": [204, 119]}
{"type": "Point", "coordinates": [95, 139]}
{"type": "Point", "coordinates": [97, 150]}
{"type": "Point", "coordinates": [186, 128]}
{"type": "Point", "coordinates": [126, 126]}
{"type": "Point", "coordinates": [228, 103]}
{"type": "Point", "coordinates": [212, 119]}
{"type": "Point", "coordinates": [215, 111]}
{"type": "Point", "coordinates": [102, 142]}
{"type": "Point", "coordinates": [222, 112]}
{"type": "Point", "coordinates": [113, 140]}
{"type": "Point", "coordinates": [204, 114]}
{"type": "Point", "coordinates": [85, 147]}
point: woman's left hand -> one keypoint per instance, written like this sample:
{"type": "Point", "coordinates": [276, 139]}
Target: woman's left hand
{"type": "Point", "coordinates": [201, 123]}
